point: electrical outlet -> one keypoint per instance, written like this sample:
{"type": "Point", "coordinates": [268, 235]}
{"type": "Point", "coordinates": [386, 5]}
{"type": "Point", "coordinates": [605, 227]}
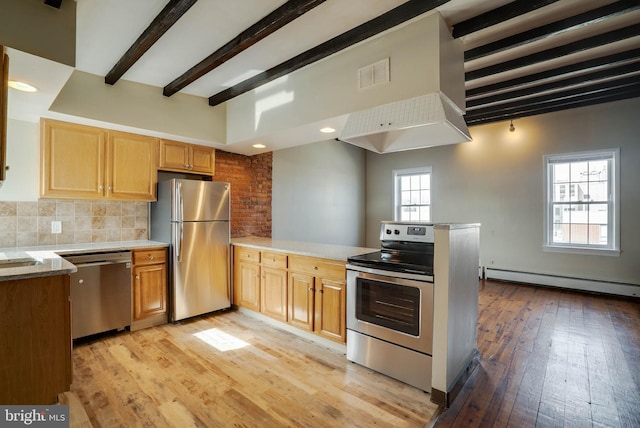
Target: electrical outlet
{"type": "Point", "coordinates": [56, 227]}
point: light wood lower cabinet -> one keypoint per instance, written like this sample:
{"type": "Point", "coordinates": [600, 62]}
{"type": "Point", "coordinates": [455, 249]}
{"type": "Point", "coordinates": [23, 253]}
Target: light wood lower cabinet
{"type": "Point", "coordinates": [149, 288]}
{"type": "Point", "coordinates": [246, 278]}
{"type": "Point", "coordinates": [307, 292]}
{"type": "Point", "coordinates": [273, 285]}
{"type": "Point", "coordinates": [320, 308]}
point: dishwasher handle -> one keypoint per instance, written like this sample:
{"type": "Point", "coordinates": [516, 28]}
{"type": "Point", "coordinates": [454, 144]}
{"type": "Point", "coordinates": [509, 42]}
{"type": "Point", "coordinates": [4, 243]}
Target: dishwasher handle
{"type": "Point", "coordinates": [100, 263]}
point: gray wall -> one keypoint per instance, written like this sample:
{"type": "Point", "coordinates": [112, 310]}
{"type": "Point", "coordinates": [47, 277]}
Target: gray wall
{"type": "Point", "coordinates": [318, 193]}
{"type": "Point", "coordinates": [497, 180]}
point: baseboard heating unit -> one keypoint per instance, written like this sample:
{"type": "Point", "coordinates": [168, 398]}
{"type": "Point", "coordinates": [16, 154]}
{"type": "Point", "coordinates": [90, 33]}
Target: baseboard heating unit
{"type": "Point", "coordinates": [606, 287]}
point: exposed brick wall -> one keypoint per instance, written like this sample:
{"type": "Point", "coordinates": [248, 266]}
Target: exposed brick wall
{"type": "Point", "coordinates": [250, 178]}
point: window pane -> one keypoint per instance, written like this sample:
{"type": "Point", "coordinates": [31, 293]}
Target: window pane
{"type": "Point", "coordinates": [579, 233]}
{"type": "Point", "coordinates": [579, 171]}
{"type": "Point", "coordinates": [598, 191]}
{"type": "Point", "coordinates": [415, 197]}
{"type": "Point", "coordinates": [562, 213]}
{"type": "Point", "coordinates": [425, 181]}
{"type": "Point", "coordinates": [559, 233]}
{"type": "Point", "coordinates": [405, 181]}
{"type": "Point", "coordinates": [599, 214]}
{"type": "Point", "coordinates": [425, 197]}
{"type": "Point", "coordinates": [598, 170]}
{"type": "Point", "coordinates": [415, 182]}
{"type": "Point", "coordinates": [560, 192]}
{"type": "Point", "coordinates": [405, 198]}
{"type": "Point", "coordinates": [561, 173]}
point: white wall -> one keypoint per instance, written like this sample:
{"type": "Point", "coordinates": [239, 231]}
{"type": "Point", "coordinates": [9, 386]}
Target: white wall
{"type": "Point", "coordinates": [497, 180]}
{"type": "Point", "coordinates": [318, 193]}
{"type": "Point", "coordinates": [23, 155]}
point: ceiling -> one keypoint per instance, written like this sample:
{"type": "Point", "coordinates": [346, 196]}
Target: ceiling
{"type": "Point", "coordinates": [522, 57]}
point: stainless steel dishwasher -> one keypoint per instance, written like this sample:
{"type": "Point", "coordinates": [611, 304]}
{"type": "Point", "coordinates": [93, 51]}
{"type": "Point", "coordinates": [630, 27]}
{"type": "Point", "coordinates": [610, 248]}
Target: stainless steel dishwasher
{"type": "Point", "coordinates": [100, 292]}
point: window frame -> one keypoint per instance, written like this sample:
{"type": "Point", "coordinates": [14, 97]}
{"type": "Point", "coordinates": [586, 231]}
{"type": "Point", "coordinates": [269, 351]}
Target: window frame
{"type": "Point", "coordinates": [613, 202]}
{"type": "Point", "coordinates": [397, 198]}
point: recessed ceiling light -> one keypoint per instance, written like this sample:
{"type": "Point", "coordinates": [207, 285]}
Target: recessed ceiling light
{"type": "Point", "coordinates": [21, 86]}
{"type": "Point", "coordinates": [327, 130]}
{"type": "Point", "coordinates": [259, 146]}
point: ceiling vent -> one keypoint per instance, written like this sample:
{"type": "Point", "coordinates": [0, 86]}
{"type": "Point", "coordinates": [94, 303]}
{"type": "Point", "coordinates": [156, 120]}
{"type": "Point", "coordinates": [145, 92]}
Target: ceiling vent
{"type": "Point", "coordinates": [373, 74]}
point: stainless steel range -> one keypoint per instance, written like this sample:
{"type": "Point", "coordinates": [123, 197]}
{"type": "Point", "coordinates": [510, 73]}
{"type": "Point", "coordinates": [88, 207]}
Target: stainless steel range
{"type": "Point", "coordinates": [390, 304]}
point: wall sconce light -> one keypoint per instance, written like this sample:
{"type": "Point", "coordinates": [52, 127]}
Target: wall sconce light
{"type": "Point", "coordinates": [511, 127]}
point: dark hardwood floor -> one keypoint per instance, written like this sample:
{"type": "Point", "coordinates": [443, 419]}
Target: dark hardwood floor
{"type": "Point", "coordinates": [552, 358]}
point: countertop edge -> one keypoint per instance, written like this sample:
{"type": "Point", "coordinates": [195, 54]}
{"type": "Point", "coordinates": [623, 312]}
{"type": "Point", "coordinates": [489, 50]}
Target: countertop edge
{"type": "Point", "coordinates": [52, 262]}
{"type": "Point", "coordinates": [310, 249]}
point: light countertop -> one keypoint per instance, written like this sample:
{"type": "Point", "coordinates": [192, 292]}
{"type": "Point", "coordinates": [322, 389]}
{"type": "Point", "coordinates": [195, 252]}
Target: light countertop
{"type": "Point", "coordinates": [32, 262]}
{"type": "Point", "coordinates": [325, 251]}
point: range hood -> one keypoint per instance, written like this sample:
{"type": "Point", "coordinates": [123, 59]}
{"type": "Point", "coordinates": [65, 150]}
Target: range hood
{"type": "Point", "coordinates": [420, 122]}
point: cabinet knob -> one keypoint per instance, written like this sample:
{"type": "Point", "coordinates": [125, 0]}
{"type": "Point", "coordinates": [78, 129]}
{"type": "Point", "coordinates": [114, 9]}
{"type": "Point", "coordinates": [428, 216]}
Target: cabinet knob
{"type": "Point", "coordinates": [310, 289]}
{"type": "Point", "coordinates": [315, 268]}
{"type": "Point", "coordinates": [321, 291]}
{"type": "Point", "coordinates": [101, 187]}
{"type": "Point", "coordinates": [110, 188]}
{"type": "Point", "coordinates": [137, 276]}
{"type": "Point", "coordinates": [150, 257]}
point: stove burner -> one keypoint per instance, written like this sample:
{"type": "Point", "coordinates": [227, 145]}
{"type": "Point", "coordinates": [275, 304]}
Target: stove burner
{"type": "Point", "coordinates": [396, 261]}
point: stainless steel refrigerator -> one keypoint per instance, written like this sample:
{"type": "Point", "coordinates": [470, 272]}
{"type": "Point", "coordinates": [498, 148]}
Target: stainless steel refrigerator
{"type": "Point", "coordinates": [193, 216]}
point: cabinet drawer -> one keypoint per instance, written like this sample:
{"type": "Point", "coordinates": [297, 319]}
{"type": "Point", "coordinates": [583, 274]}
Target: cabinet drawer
{"type": "Point", "coordinates": [318, 267]}
{"type": "Point", "coordinates": [246, 254]}
{"type": "Point", "coordinates": [274, 260]}
{"type": "Point", "coordinates": [145, 257]}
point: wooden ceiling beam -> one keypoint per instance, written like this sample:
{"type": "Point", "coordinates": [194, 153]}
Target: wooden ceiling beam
{"type": "Point", "coordinates": [277, 19]}
{"type": "Point", "coordinates": [173, 10]}
{"type": "Point", "coordinates": [557, 52]}
{"type": "Point", "coordinates": [548, 75]}
{"type": "Point", "coordinates": [544, 32]}
{"type": "Point", "coordinates": [497, 16]}
{"type": "Point", "coordinates": [576, 81]}
{"type": "Point", "coordinates": [589, 100]}
{"type": "Point", "coordinates": [628, 87]}
{"type": "Point", "coordinates": [400, 14]}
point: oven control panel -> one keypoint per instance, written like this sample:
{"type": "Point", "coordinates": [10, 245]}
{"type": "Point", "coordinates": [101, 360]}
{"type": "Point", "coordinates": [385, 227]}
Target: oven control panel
{"type": "Point", "coordinates": [404, 231]}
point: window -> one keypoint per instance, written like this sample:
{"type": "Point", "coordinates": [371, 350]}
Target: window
{"type": "Point", "coordinates": [412, 194]}
{"type": "Point", "coordinates": [581, 191]}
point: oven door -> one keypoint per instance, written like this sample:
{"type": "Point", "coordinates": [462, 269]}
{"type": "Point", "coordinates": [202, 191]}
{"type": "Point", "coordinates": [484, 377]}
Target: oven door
{"type": "Point", "coordinates": [396, 310]}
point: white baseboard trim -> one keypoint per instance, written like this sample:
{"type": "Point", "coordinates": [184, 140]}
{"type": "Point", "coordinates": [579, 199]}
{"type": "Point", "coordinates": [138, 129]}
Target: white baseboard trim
{"type": "Point", "coordinates": [616, 288]}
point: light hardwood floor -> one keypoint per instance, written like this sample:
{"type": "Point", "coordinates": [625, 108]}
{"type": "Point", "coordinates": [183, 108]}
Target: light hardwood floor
{"type": "Point", "coordinates": [168, 377]}
{"type": "Point", "coordinates": [548, 357]}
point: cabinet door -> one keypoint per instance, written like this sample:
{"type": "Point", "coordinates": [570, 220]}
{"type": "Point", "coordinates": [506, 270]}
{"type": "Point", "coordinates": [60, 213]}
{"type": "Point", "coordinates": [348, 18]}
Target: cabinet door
{"type": "Point", "coordinates": [203, 159]}
{"type": "Point", "coordinates": [330, 314]}
{"type": "Point", "coordinates": [274, 293]}
{"type": "Point", "coordinates": [248, 290]}
{"type": "Point", "coordinates": [149, 291]}
{"type": "Point", "coordinates": [174, 155]}
{"type": "Point", "coordinates": [72, 161]}
{"type": "Point", "coordinates": [301, 291]}
{"type": "Point", "coordinates": [131, 166]}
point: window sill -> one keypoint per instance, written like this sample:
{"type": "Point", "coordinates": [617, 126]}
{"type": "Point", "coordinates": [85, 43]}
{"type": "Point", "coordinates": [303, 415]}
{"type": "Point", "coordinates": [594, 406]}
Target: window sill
{"type": "Point", "coordinates": [582, 250]}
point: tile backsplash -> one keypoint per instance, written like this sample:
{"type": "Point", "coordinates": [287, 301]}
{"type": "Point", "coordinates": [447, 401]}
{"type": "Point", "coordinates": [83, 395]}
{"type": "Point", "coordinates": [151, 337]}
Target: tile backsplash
{"type": "Point", "coordinates": [29, 223]}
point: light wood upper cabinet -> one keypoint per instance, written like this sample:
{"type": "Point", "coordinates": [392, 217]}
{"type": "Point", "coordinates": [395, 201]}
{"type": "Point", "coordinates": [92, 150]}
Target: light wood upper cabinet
{"type": "Point", "coordinates": [84, 162]}
{"type": "Point", "coordinates": [183, 157]}
{"type": "Point", "coordinates": [131, 170]}
{"type": "Point", "coordinates": [72, 160]}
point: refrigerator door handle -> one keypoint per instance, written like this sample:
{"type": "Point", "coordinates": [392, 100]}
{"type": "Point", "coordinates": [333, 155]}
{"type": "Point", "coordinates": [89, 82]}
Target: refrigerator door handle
{"type": "Point", "coordinates": [179, 242]}
{"type": "Point", "coordinates": [180, 213]}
